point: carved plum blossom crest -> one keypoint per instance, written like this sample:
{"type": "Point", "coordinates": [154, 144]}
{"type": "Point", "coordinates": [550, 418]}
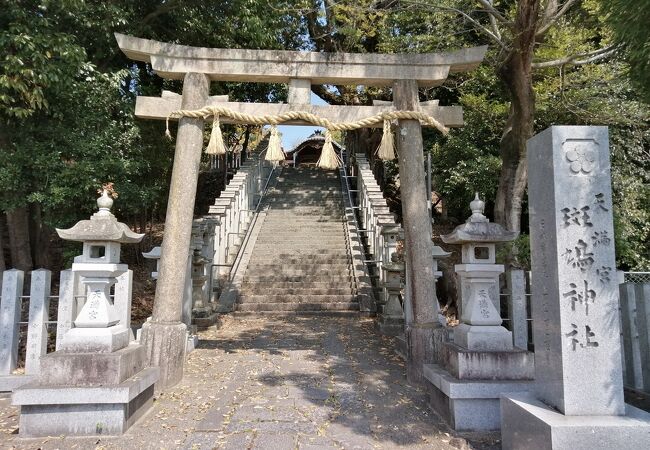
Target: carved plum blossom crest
{"type": "Point", "coordinates": [582, 159]}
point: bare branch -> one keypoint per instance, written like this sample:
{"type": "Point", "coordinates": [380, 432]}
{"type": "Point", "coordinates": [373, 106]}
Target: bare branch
{"type": "Point", "coordinates": [489, 8]}
{"type": "Point", "coordinates": [578, 59]}
{"type": "Point", "coordinates": [494, 16]}
{"type": "Point", "coordinates": [550, 20]}
{"type": "Point", "coordinates": [325, 94]}
{"type": "Point", "coordinates": [477, 24]}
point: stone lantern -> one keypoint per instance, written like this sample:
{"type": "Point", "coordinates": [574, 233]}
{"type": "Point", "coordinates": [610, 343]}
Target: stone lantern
{"type": "Point", "coordinates": [154, 254]}
{"type": "Point", "coordinates": [391, 236]}
{"type": "Point", "coordinates": [392, 316]}
{"type": "Point", "coordinates": [473, 371]}
{"type": "Point", "coordinates": [97, 382]}
{"type": "Point", "coordinates": [98, 327]}
{"type": "Point", "coordinates": [198, 273]}
{"type": "Point", "coordinates": [438, 254]}
{"type": "Point", "coordinates": [480, 321]}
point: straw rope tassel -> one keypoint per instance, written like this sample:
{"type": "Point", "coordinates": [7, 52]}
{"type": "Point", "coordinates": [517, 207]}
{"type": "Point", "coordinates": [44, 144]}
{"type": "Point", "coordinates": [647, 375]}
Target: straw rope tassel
{"type": "Point", "coordinates": [386, 149]}
{"type": "Point", "coordinates": [216, 145]}
{"type": "Point", "coordinates": [274, 151]}
{"type": "Point", "coordinates": [328, 157]}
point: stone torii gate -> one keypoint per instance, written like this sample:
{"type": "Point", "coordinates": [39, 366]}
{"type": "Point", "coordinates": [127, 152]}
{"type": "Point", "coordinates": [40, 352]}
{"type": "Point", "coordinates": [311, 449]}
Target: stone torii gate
{"type": "Point", "coordinates": [164, 335]}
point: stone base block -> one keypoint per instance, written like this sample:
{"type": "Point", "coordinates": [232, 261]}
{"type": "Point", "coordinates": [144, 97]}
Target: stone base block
{"type": "Point", "coordinates": [419, 347]}
{"type": "Point", "coordinates": [228, 299]}
{"type": "Point", "coordinates": [468, 405]}
{"type": "Point", "coordinates": [484, 338]}
{"type": "Point", "coordinates": [79, 369]}
{"type": "Point", "coordinates": [207, 321]}
{"type": "Point", "coordinates": [367, 305]}
{"type": "Point", "coordinates": [165, 344]}
{"type": "Point", "coordinates": [480, 365]}
{"type": "Point", "coordinates": [529, 424]}
{"type": "Point", "coordinates": [95, 340]}
{"type": "Point", "coordinates": [390, 326]}
{"type": "Point", "coordinates": [9, 383]}
{"type": "Point", "coordinates": [47, 410]}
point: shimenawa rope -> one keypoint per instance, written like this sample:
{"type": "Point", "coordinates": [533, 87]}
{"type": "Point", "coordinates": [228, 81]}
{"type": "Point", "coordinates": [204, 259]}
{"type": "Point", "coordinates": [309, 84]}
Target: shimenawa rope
{"type": "Point", "coordinates": [328, 159]}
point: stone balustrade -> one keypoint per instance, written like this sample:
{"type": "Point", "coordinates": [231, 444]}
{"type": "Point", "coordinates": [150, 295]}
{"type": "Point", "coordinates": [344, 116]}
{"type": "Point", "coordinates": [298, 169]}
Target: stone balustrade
{"type": "Point", "coordinates": [381, 234]}
{"type": "Point", "coordinates": [222, 234]}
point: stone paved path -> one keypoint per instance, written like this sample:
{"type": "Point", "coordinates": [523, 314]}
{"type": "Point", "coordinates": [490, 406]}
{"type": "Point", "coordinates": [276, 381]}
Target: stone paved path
{"type": "Point", "coordinates": [282, 383]}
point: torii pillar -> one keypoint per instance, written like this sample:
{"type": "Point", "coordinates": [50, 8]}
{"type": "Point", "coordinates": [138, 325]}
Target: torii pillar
{"type": "Point", "coordinates": [165, 336]}
{"type": "Point", "coordinates": [422, 310]}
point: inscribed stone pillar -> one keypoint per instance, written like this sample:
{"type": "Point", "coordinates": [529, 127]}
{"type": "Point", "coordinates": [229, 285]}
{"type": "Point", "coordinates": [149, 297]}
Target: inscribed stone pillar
{"type": "Point", "coordinates": [66, 309]}
{"type": "Point", "coordinates": [165, 335]}
{"type": "Point", "coordinates": [12, 289]}
{"type": "Point", "coordinates": [578, 401]}
{"type": "Point", "coordinates": [516, 281]}
{"type": "Point", "coordinates": [575, 296]}
{"type": "Point", "coordinates": [123, 298]}
{"type": "Point", "coordinates": [423, 309]}
{"type": "Point", "coordinates": [39, 305]}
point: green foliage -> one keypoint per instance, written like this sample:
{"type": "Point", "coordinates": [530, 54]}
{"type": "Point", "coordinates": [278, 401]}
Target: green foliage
{"type": "Point", "coordinates": [36, 58]}
{"type": "Point", "coordinates": [629, 20]}
{"type": "Point", "coordinates": [516, 253]}
{"type": "Point", "coordinates": [467, 161]}
{"type": "Point", "coordinates": [67, 96]}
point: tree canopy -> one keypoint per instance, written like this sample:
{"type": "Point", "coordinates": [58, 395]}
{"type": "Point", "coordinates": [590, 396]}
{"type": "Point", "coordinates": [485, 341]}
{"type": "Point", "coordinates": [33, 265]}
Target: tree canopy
{"type": "Point", "coordinates": [67, 97]}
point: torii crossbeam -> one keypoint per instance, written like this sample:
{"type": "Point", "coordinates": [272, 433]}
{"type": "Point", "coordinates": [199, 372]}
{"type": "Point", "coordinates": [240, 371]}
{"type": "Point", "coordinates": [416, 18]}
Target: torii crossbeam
{"type": "Point", "coordinates": [164, 335]}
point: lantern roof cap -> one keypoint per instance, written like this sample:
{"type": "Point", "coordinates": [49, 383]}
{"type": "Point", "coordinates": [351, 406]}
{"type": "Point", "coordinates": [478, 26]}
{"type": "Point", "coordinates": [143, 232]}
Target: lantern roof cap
{"type": "Point", "coordinates": [102, 226]}
{"type": "Point", "coordinates": [478, 228]}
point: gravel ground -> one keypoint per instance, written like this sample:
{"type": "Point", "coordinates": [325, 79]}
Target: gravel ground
{"type": "Point", "coordinates": [281, 383]}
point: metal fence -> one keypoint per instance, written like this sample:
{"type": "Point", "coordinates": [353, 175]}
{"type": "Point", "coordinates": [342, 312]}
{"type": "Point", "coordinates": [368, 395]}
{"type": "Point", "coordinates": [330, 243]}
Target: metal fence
{"type": "Point", "coordinates": [636, 277]}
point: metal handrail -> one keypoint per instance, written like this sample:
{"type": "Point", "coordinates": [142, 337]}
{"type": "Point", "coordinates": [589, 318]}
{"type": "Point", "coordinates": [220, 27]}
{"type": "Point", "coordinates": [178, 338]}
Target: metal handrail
{"type": "Point", "coordinates": [345, 177]}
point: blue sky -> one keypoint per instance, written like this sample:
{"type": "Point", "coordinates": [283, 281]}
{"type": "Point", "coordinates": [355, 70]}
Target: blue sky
{"type": "Point", "coordinates": [293, 134]}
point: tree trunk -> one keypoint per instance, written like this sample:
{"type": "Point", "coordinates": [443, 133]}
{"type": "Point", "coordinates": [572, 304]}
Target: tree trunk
{"type": "Point", "coordinates": [41, 248]}
{"type": "Point", "coordinates": [19, 244]}
{"type": "Point", "coordinates": [516, 74]}
{"type": "Point", "coordinates": [3, 267]}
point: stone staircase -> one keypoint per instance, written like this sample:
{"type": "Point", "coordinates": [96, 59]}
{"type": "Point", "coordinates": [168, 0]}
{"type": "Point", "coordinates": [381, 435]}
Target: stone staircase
{"type": "Point", "coordinates": [300, 261]}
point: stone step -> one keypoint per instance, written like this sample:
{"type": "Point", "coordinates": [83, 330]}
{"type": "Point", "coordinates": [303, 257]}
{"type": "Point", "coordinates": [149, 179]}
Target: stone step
{"type": "Point", "coordinates": [305, 265]}
{"type": "Point", "coordinates": [314, 216]}
{"type": "Point", "coordinates": [332, 225]}
{"type": "Point", "coordinates": [315, 247]}
{"type": "Point", "coordinates": [307, 259]}
{"type": "Point", "coordinates": [289, 298]}
{"type": "Point", "coordinates": [279, 242]}
{"type": "Point", "coordinates": [296, 275]}
{"type": "Point", "coordinates": [268, 255]}
{"type": "Point", "coordinates": [265, 289]}
{"type": "Point", "coordinates": [257, 263]}
{"type": "Point", "coordinates": [330, 313]}
{"type": "Point", "coordinates": [298, 307]}
{"type": "Point", "coordinates": [300, 253]}
{"type": "Point", "coordinates": [274, 279]}
{"type": "Point", "coordinates": [300, 285]}
{"type": "Point", "coordinates": [273, 237]}
{"type": "Point", "coordinates": [302, 232]}
{"type": "Point", "coordinates": [280, 274]}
